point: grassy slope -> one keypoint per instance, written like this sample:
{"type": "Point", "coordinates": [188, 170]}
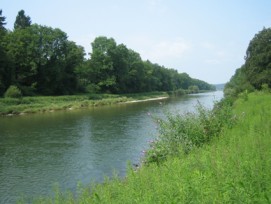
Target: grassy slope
{"type": "Point", "coordinates": [54, 103]}
{"type": "Point", "coordinates": [234, 168]}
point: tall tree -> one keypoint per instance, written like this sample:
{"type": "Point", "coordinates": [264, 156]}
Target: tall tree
{"type": "Point", "coordinates": [4, 60]}
{"type": "Point", "coordinates": [101, 63]}
{"type": "Point", "coordinates": [22, 21]}
{"type": "Point", "coordinates": [22, 49]}
{"type": "Point", "coordinates": [257, 68]}
{"type": "Point", "coordinates": [44, 60]}
{"type": "Point", "coordinates": [2, 22]}
{"type": "Point", "coordinates": [258, 59]}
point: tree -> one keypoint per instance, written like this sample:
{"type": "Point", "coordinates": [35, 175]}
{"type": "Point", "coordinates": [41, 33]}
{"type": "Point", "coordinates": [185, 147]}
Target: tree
{"type": "Point", "coordinates": [21, 46]}
{"type": "Point", "coordinates": [56, 61]}
{"type": "Point", "coordinates": [238, 83]}
{"type": "Point", "coordinates": [4, 61]}
{"type": "Point", "coordinates": [2, 22]}
{"type": "Point", "coordinates": [22, 21]}
{"type": "Point", "coordinates": [120, 58]}
{"type": "Point", "coordinates": [44, 60]}
{"type": "Point", "coordinates": [5, 69]}
{"type": "Point", "coordinates": [74, 58]}
{"type": "Point", "coordinates": [258, 59]}
{"type": "Point", "coordinates": [257, 68]}
{"type": "Point", "coordinates": [101, 63]}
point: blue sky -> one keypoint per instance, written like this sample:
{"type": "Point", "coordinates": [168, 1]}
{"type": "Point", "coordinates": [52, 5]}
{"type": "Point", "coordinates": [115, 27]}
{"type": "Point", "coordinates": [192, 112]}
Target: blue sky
{"type": "Point", "coordinates": [205, 38]}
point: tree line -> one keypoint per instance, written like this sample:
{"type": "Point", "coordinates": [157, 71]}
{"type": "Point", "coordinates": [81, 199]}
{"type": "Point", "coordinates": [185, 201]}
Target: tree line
{"type": "Point", "coordinates": [40, 60]}
{"type": "Point", "coordinates": [255, 73]}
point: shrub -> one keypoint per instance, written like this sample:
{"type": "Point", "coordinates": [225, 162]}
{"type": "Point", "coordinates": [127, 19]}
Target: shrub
{"type": "Point", "coordinates": [179, 134]}
{"type": "Point", "coordinates": [193, 89]}
{"type": "Point", "coordinates": [178, 92]}
{"type": "Point", "coordinates": [93, 88]}
{"type": "Point", "coordinates": [13, 92]}
{"type": "Point", "coordinates": [265, 88]}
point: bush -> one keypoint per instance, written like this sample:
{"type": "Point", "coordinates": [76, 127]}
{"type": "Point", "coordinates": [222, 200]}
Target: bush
{"type": "Point", "coordinates": [93, 88]}
{"type": "Point", "coordinates": [13, 92]}
{"type": "Point", "coordinates": [178, 92]}
{"type": "Point", "coordinates": [265, 88]}
{"type": "Point", "coordinates": [179, 134]}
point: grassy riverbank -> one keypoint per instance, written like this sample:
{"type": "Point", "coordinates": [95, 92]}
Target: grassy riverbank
{"type": "Point", "coordinates": [232, 167]}
{"type": "Point", "coordinates": [39, 104]}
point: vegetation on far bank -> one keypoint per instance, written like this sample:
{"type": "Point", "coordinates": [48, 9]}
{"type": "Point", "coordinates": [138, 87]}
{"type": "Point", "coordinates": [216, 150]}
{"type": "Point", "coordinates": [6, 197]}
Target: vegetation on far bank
{"type": "Point", "coordinates": [19, 105]}
{"type": "Point", "coordinates": [40, 60]}
{"type": "Point", "coordinates": [40, 104]}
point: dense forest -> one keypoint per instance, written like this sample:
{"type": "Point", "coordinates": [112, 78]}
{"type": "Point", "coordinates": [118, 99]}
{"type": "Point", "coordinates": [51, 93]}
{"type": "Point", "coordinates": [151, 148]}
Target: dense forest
{"type": "Point", "coordinates": [255, 74]}
{"type": "Point", "coordinates": [40, 60]}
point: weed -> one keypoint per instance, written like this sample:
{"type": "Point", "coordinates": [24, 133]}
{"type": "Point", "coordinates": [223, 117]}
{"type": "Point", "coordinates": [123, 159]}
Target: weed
{"type": "Point", "coordinates": [182, 133]}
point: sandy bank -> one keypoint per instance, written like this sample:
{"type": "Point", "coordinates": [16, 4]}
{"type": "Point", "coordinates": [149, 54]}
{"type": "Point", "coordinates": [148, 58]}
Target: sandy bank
{"type": "Point", "coordinates": [149, 99]}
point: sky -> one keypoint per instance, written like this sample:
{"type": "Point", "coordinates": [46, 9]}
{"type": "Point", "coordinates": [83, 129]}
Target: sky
{"type": "Point", "coordinates": [207, 39]}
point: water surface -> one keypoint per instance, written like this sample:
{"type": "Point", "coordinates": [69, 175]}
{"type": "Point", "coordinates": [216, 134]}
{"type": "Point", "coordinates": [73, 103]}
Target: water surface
{"type": "Point", "coordinates": [37, 151]}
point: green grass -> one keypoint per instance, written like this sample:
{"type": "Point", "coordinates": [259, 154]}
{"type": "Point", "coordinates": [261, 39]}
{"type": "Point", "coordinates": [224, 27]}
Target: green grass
{"type": "Point", "coordinates": [234, 167]}
{"type": "Point", "coordinates": [39, 104]}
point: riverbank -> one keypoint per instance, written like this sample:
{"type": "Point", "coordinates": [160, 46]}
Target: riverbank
{"type": "Point", "coordinates": [41, 104]}
{"type": "Point", "coordinates": [232, 167]}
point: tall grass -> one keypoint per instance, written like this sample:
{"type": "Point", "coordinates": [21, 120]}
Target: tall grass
{"type": "Point", "coordinates": [179, 134]}
{"type": "Point", "coordinates": [232, 168]}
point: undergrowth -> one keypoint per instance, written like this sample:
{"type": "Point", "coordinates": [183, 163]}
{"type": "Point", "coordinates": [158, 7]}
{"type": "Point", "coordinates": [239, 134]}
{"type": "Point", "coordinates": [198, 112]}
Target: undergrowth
{"type": "Point", "coordinates": [181, 133]}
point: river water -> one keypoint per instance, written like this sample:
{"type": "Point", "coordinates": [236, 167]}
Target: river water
{"type": "Point", "coordinates": [63, 148]}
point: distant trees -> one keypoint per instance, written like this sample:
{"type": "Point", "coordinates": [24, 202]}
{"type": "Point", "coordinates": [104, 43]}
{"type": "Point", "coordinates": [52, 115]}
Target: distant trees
{"type": "Point", "coordinates": [116, 69]}
{"type": "Point", "coordinates": [257, 68]}
{"type": "Point", "coordinates": [40, 60]}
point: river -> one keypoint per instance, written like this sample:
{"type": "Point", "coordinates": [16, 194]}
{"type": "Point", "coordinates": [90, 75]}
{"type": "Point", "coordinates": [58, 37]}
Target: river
{"type": "Point", "coordinates": [41, 150]}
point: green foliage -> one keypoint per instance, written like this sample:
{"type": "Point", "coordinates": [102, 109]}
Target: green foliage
{"type": "Point", "coordinates": [93, 88]}
{"type": "Point", "coordinates": [40, 104]}
{"type": "Point", "coordinates": [13, 92]}
{"type": "Point", "coordinates": [2, 22]}
{"type": "Point", "coordinates": [179, 134]}
{"type": "Point", "coordinates": [257, 68]}
{"type": "Point", "coordinates": [22, 21]}
{"type": "Point", "coordinates": [258, 63]}
{"type": "Point", "coordinates": [42, 61]}
{"type": "Point", "coordinates": [193, 89]}
{"type": "Point", "coordinates": [238, 83]}
{"type": "Point", "coordinates": [265, 88]}
{"type": "Point", "coordinates": [243, 95]}
{"type": "Point", "coordinates": [179, 92]}
{"type": "Point", "coordinates": [116, 69]}
{"type": "Point", "coordinates": [4, 59]}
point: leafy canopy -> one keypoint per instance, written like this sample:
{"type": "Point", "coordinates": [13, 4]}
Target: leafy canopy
{"type": "Point", "coordinates": [22, 21]}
